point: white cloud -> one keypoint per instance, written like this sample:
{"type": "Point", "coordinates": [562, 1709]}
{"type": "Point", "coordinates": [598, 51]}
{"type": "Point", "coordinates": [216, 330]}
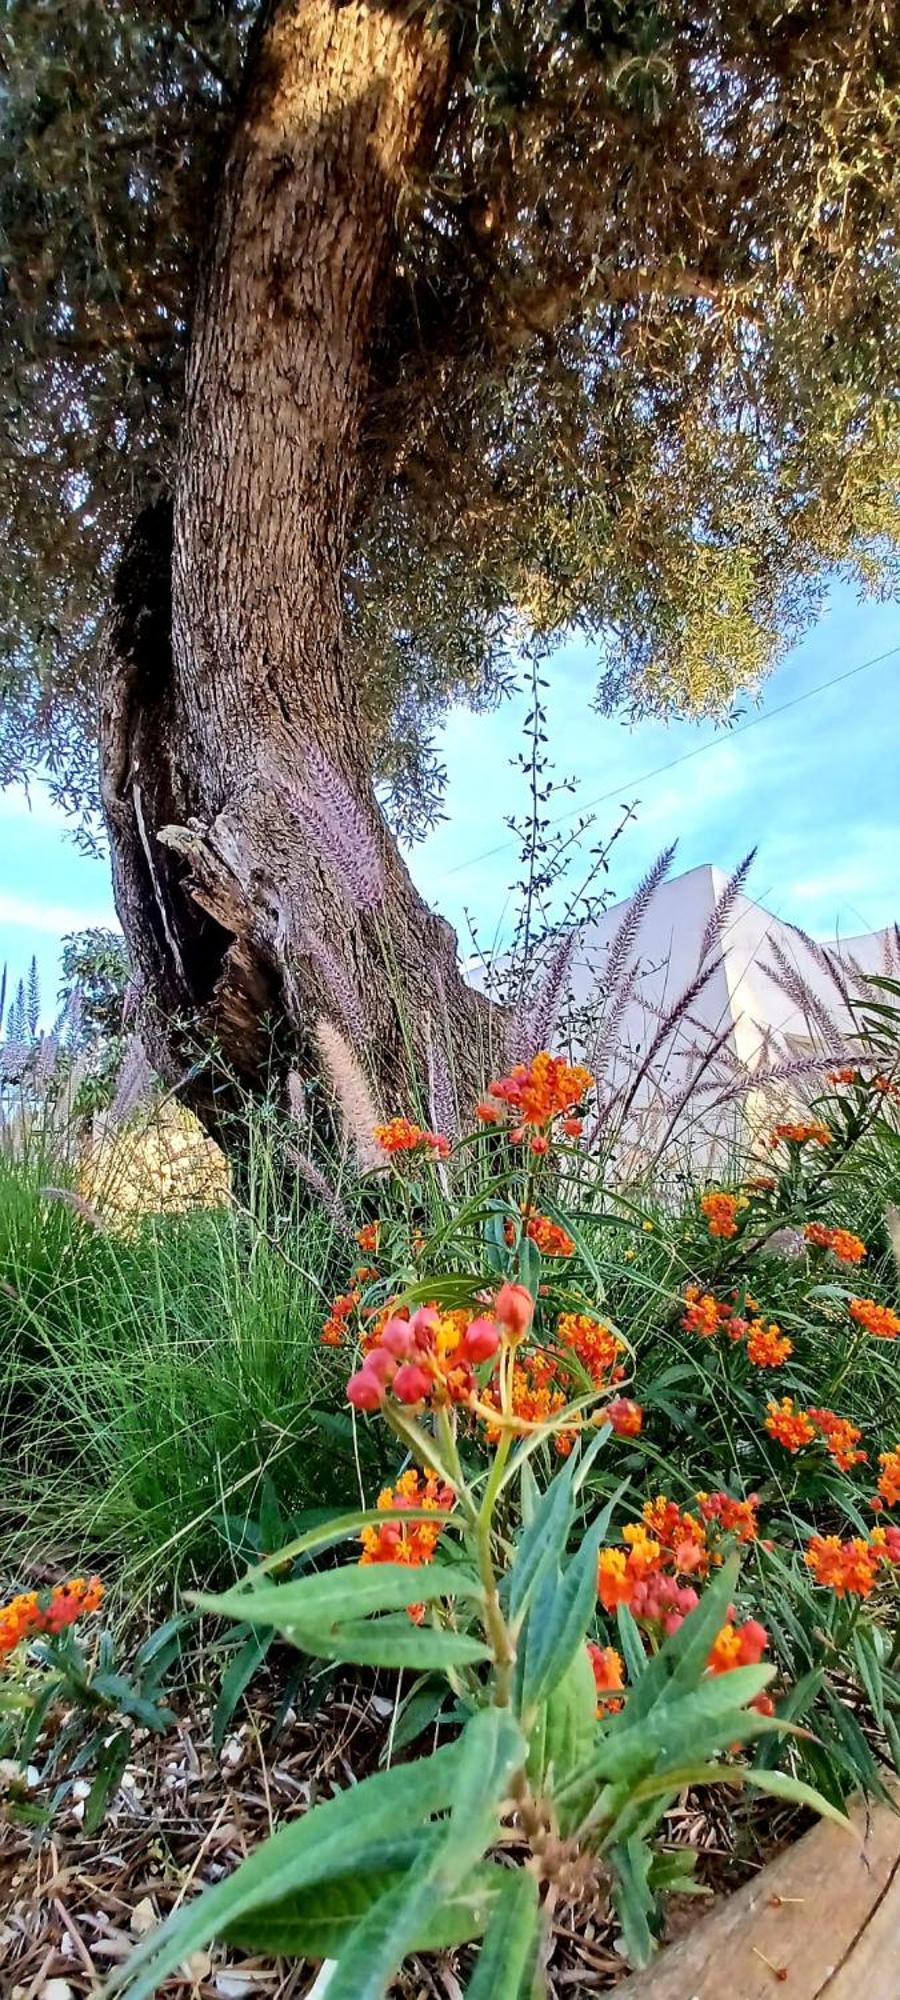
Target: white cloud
{"type": "Point", "coordinates": [25, 913]}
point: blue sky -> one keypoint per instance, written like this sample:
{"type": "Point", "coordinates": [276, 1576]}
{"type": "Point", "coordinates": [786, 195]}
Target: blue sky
{"type": "Point", "coordinates": [816, 789]}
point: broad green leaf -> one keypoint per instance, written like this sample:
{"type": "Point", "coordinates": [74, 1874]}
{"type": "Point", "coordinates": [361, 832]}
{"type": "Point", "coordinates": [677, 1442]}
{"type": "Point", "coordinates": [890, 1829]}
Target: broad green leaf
{"type": "Point", "coordinates": [331, 1597]}
{"type": "Point", "coordinates": [564, 1732]}
{"type": "Point", "coordinates": [507, 1959]}
{"type": "Point", "coordinates": [491, 1749]}
{"type": "Point", "coordinates": [317, 1922]}
{"type": "Point", "coordinates": [308, 1851]}
{"type": "Point", "coordinates": [382, 1938]}
{"type": "Point", "coordinates": [392, 1642]}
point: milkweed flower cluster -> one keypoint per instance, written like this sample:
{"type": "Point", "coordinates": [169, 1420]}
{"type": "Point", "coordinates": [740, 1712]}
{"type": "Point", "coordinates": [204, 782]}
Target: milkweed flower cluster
{"type": "Point", "coordinates": [738, 1646]}
{"type": "Point", "coordinates": [609, 1676]}
{"type": "Point", "coordinates": [878, 1320]}
{"type": "Point", "coordinates": [810, 1132]}
{"type": "Point", "coordinates": [889, 1478]}
{"type": "Point", "coordinates": [788, 1425]}
{"type": "Point", "coordinates": [721, 1212]}
{"type": "Point", "coordinates": [369, 1238]}
{"type": "Point", "coordinates": [794, 1429]}
{"type": "Point", "coordinates": [731, 1517]}
{"type": "Point", "coordinates": [842, 1243]}
{"type": "Point", "coordinates": [767, 1346]}
{"type": "Point", "coordinates": [707, 1315]}
{"type": "Point", "coordinates": [335, 1328]}
{"type": "Point", "coordinates": [409, 1542]}
{"type": "Point", "coordinates": [34, 1614]}
{"type": "Point", "coordinates": [535, 1096]}
{"type": "Point", "coordinates": [428, 1357]}
{"type": "Point", "coordinates": [400, 1135]}
{"type": "Point", "coordinates": [550, 1237]}
{"type": "Point", "coordinates": [626, 1417]}
{"type": "Point", "coordinates": [661, 1549]}
{"type": "Point", "coordinates": [593, 1344]}
{"type": "Point", "coordinates": [848, 1568]}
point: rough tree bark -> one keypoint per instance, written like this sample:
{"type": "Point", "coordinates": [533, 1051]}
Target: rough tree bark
{"type": "Point", "coordinates": [234, 769]}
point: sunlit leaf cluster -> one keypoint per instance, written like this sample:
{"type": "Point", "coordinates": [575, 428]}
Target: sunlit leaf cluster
{"type": "Point", "coordinates": [637, 371]}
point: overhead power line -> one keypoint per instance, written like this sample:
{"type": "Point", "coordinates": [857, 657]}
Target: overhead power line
{"type": "Point", "coordinates": [715, 743]}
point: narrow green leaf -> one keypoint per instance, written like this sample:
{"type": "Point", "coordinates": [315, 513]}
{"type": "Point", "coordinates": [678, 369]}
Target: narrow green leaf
{"type": "Point", "coordinates": [236, 1678]}
{"type": "Point", "coordinates": [631, 1644]}
{"type": "Point", "coordinates": [869, 1664]}
{"type": "Point", "coordinates": [543, 1541]}
{"type": "Point", "coordinates": [559, 1617]}
{"type": "Point", "coordinates": [506, 1961]}
{"type": "Point", "coordinates": [682, 1659]}
{"type": "Point", "coordinates": [634, 1898]}
{"type": "Point", "coordinates": [337, 1528]}
{"type": "Point", "coordinates": [382, 1938]}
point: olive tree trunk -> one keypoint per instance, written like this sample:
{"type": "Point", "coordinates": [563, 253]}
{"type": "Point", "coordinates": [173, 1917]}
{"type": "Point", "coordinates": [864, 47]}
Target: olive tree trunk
{"type": "Point", "coordinates": [255, 879]}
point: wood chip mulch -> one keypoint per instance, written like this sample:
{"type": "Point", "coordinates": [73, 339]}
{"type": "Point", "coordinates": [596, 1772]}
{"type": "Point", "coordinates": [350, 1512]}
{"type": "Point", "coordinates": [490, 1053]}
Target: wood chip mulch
{"type": "Point", "coordinates": [73, 1907]}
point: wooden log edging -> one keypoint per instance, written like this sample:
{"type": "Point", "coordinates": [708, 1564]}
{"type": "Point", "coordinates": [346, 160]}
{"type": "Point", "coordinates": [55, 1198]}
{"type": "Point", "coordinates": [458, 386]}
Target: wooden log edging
{"type": "Point", "coordinates": [821, 1922]}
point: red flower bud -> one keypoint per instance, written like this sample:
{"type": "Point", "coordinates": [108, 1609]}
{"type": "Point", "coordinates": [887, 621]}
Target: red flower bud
{"type": "Point", "coordinates": [397, 1336]}
{"type": "Point", "coordinates": [380, 1363]}
{"type": "Point", "coordinates": [573, 1127]}
{"type": "Point", "coordinates": [364, 1390]}
{"type": "Point", "coordinates": [422, 1326]}
{"type": "Point", "coordinates": [540, 1144]}
{"type": "Point", "coordinates": [411, 1384]}
{"type": "Point", "coordinates": [481, 1340]}
{"type": "Point", "coordinates": [514, 1307]}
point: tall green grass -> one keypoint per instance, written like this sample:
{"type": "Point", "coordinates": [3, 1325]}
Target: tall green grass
{"type": "Point", "coordinates": [152, 1388]}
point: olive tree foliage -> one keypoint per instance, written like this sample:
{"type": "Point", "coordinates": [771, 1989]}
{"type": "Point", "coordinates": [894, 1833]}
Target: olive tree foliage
{"type": "Point", "coordinates": [636, 368]}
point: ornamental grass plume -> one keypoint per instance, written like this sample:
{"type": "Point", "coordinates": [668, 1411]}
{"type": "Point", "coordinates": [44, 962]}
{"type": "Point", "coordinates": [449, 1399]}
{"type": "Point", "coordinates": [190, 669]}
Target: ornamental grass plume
{"type": "Point", "coordinates": [353, 1093]}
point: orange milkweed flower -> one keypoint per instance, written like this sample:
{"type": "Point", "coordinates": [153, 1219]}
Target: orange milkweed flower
{"type": "Point", "coordinates": [594, 1345]}
{"type": "Point", "coordinates": [538, 1092]}
{"type": "Point", "coordinates": [733, 1517]}
{"type": "Point", "coordinates": [682, 1537]}
{"type": "Point", "coordinates": [31, 1614]}
{"type": "Point", "coordinates": [368, 1237]}
{"type": "Point", "coordinates": [878, 1320]}
{"type": "Point", "coordinates": [840, 1437]}
{"type": "Point", "coordinates": [841, 1242]}
{"type": "Point", "coordinates": [334, 1329]}
{"type": "Point", "coordinates": [738, 1646]}
{"type": "Point", "coordinates": [889, 1479]}
{"type": "Point", "coordinates": [767, 1346]}
{"type": "Point", "coordinates": [848, 1568]}
{"type": "Point", "coordinates": [626, 1417]}
{"type": "Point", "coordinates": [843, 1076]}
{"type": "Point", "coordinates": [400, 1135]}
{"type": "Point", "coordinates": [788, 1425]}
{"type": "Point", "coordinates": [721, 1211]}
{"type": "Point", "coordinates": [551, 1239]}
{"type": "Point", "coordinates": [412, 1543]}
{"type": "Point", "coordinates": [810, 1133]}
{"type": "Point", "coordinates": [609, 1669]}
